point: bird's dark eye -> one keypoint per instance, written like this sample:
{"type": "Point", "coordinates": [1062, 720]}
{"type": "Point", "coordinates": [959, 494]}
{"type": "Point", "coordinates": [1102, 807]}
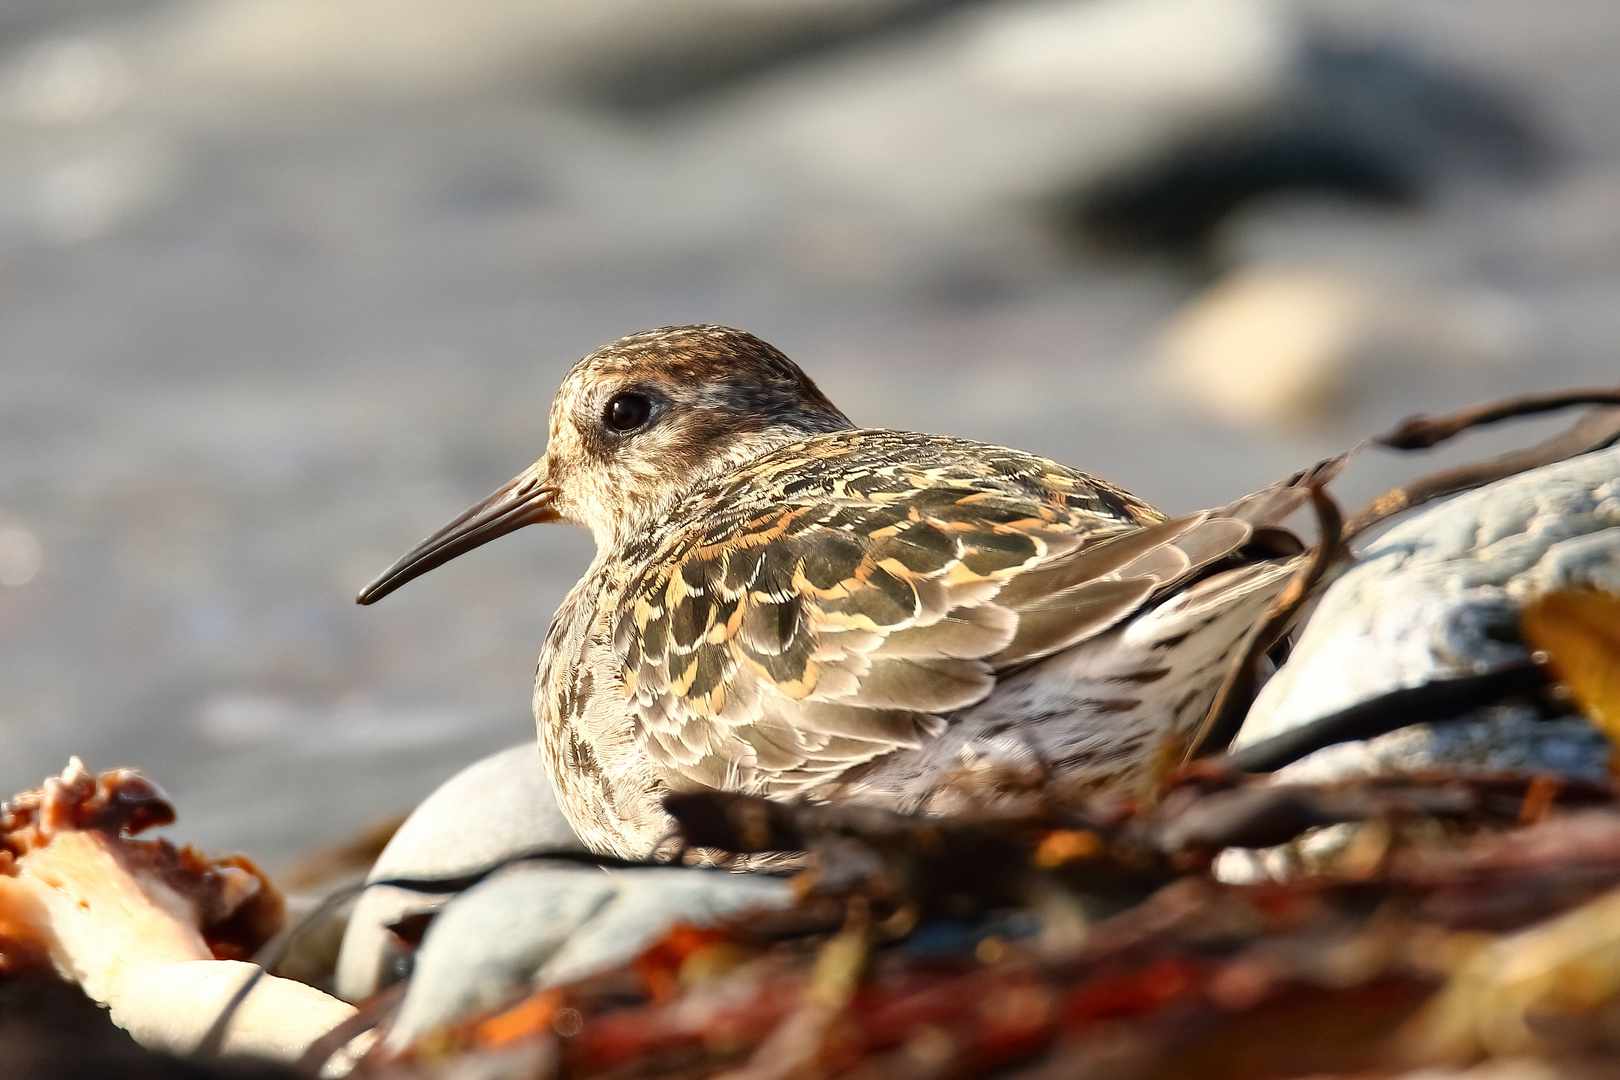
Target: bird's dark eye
{"type": "Point", "coordinates": [626, 412]}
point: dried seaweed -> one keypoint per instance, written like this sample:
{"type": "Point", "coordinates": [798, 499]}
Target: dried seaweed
{"type": "Point", "coordinates": [1442, 699]}
{"type": "Point", "coordinates": [1243, 678]}
{"type": "Point", "coordinates": [1595, 430]}
{"type": "Point", "coordinates": [1355, 966]}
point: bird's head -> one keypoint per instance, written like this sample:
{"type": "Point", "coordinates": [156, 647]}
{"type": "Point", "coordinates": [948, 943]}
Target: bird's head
{"type": "Point", "coordinates": [633, 426]}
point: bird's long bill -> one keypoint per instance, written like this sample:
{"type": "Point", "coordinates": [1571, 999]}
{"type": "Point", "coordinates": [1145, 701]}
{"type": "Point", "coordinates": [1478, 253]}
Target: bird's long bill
{"type": "Point", "coordinates": [523, 500]}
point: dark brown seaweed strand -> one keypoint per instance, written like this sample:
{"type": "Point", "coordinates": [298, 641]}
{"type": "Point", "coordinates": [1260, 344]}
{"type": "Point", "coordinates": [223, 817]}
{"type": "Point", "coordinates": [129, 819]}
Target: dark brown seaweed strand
{"type": "Point", "coordinates": [1594, 431]}
{"type": "Point", "coordinates": [1443, 699]}
{"type": "Point", "coordinates": [1237, 690]}
{"type": "Point", "coordinates": [1422, 431]}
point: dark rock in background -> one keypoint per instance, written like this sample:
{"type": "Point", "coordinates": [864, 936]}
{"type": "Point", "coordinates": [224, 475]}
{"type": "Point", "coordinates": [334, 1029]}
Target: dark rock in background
{"type": "Point", "coordinates": [1371, 122]}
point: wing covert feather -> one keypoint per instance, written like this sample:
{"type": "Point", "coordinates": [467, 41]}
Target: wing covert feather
{"type": "Point", "coordinates": [779, 632]}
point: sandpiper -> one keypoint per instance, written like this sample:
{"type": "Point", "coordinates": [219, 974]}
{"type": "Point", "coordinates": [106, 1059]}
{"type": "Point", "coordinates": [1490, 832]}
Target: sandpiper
{"type": "Point", "coordinates": [785, 604]}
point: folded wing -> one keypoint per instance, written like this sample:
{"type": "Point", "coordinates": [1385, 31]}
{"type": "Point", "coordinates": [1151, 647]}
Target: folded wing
{"type": "Point", "coordinates": [768, 648]}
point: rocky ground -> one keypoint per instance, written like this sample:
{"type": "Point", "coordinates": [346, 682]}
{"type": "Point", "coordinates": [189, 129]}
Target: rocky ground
{"type": "Point", "coordinates": [286, 283]}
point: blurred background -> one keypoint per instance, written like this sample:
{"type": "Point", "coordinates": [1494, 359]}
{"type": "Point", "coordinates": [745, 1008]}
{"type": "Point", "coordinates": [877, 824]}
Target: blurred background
{"type": "Point", "coordinates": [284, 284]}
